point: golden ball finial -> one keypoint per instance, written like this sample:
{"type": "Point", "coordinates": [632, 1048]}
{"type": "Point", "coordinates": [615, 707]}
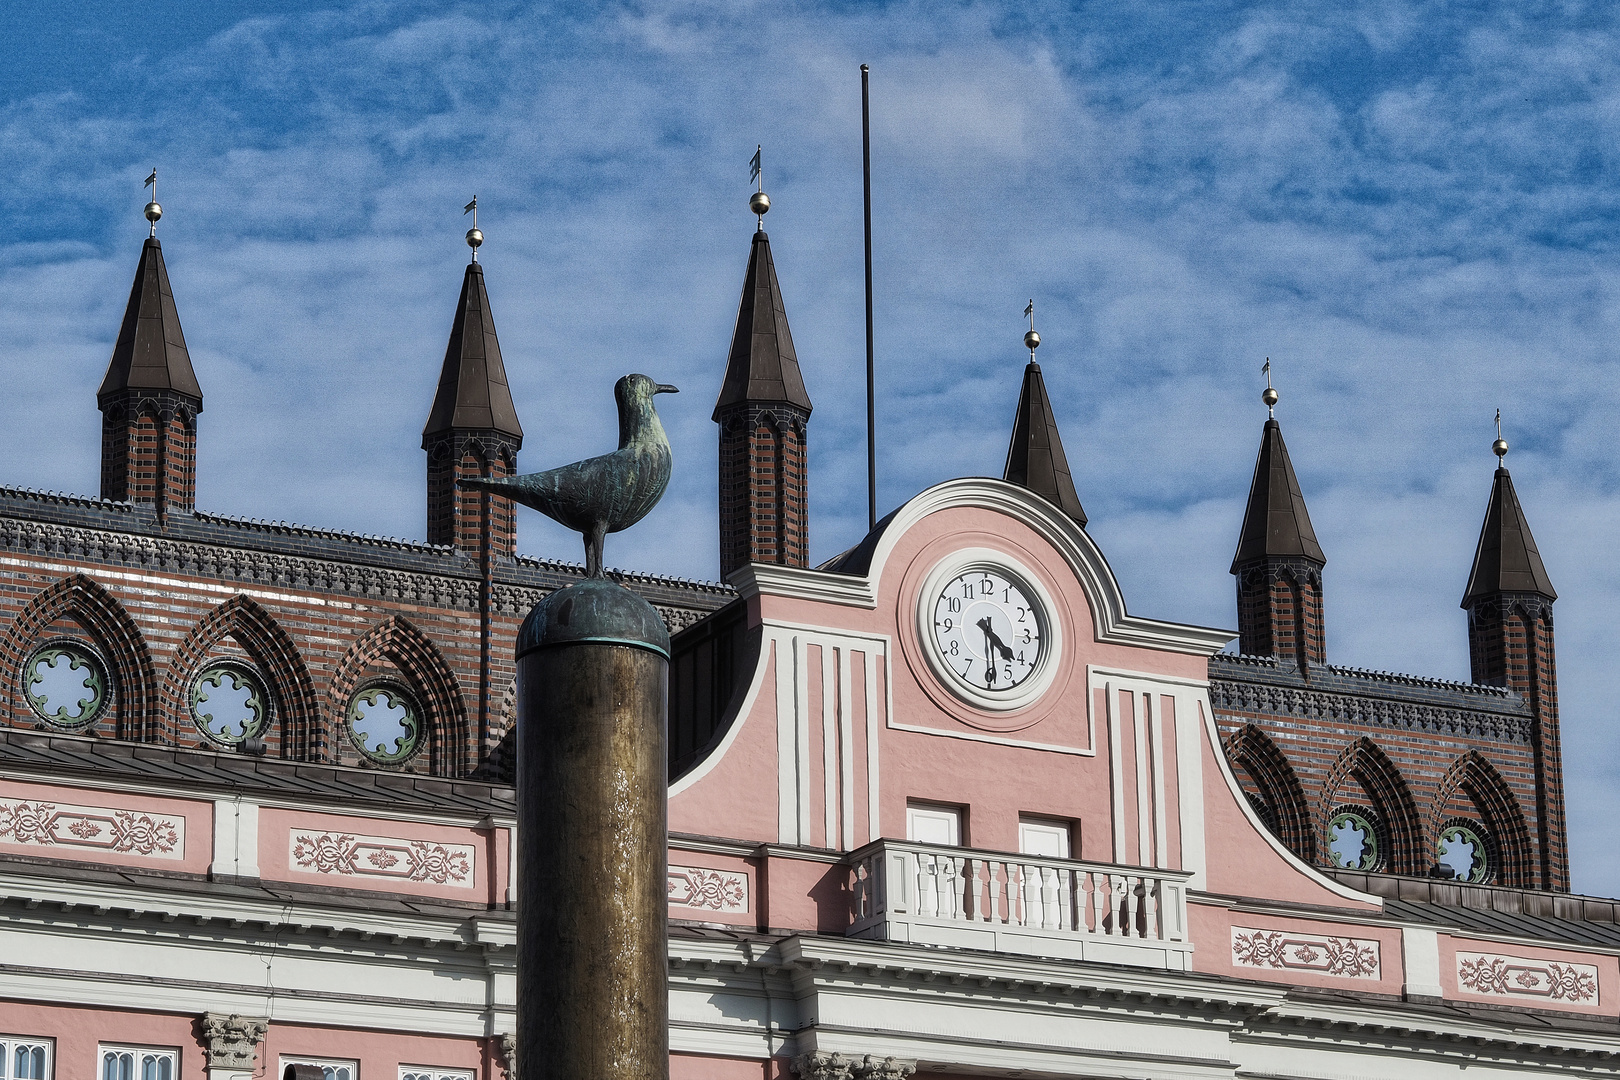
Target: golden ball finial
{"type": "Point", "coordinates": [475, 239]}
{"type": "Point", "coordinates": [1269, 396]}
{"type": "Point", "coordinates": [1499, 448]}
{"type": "Point", "coordinates": [1032, 341]}
{"type": "Point", "coordinates": [153, 212]}
{"type": "Point", "coordinates": [759, 203]}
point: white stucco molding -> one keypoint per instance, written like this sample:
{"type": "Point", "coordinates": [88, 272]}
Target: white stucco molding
{"type": "Point", "coordinates": [1111, 622]}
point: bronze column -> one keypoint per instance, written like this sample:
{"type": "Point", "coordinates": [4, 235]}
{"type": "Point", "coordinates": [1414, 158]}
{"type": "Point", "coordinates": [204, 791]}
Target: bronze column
{"type": "Point", "coordinates": [592, 963]}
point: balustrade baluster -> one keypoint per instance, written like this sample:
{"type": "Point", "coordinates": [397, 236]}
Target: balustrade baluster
{"type": "Point", "coordinates": [927, 893]}
{"type": "Point", "coordinates": [1150, 908]}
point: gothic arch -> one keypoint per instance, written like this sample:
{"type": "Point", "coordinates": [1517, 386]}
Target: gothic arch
{"type": "Point", "coordinates": [1409, 849]}
{"type": "Point", "coordinates": [296, 708]}
{"type": "Point", "coordinates": [398, 641]}
{"type": "Point", "coordinates": [1473, 775]}
{"type": "Point", "coordinates": [1261, 758]}
{"type": "Point", "coordinates": [109, 625]}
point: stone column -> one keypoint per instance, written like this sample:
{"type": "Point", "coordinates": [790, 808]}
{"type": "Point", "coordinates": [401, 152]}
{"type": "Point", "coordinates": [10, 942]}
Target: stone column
{"type": "Point", "coordinates": [593, 918]}
{"type": "Point", "coordinates": [232, 1043]}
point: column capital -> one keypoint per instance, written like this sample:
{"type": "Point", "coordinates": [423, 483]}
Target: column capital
{"type": "Point", "coordinates": [232, 1041]}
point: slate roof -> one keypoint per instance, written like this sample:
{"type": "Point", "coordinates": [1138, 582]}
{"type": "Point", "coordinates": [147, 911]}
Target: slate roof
{"type": "Point", "coordinates": [473, 394]}
{"type": "Point", "coordinates": [202, 772]}
{"type": "Point", "coordinates": [1035, 457]}
{"type": "Point", "coordinates": [1506, 560]}
{"type": "Point", "coordinates": [150, 353]}
{"type": "Point", "coordinates": [1276, 523]}
{"type": "Point", "coordinates": [762, 366]}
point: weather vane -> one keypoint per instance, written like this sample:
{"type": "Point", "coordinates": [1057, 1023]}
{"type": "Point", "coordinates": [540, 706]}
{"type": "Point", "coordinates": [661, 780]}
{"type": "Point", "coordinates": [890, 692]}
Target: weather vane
{"type": "Point", "coordinates": [474, 237]}
{"type": "Point", "coordinates": [759, 202]}
{"type": "Point", "coordinates": [1269, 396]}
{"type": "Point", "coordinates": [153, 210]}
{"type": "Point", "coordinates": [1500, 446]}
{"type": "Point", "coordinates": [1032, 340]}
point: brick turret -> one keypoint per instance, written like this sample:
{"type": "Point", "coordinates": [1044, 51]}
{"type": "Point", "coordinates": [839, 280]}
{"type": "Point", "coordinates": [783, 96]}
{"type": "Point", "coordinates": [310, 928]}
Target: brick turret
{"type": "Point", "coordinates": [472, 432]}
{"type": "Point", "coordinates": [1279, 564]}
{"type": "Point", "coordinates": [150, 399]}
{"type": "Point", "coordinates": [763, 411]}
{"type": "Point", "coordinates": [1509, 602]}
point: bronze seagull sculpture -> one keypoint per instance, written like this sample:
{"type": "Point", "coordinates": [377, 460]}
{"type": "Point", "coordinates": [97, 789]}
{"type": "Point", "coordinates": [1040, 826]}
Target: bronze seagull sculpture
{"type": "Point", "coordinates": [602, 494]}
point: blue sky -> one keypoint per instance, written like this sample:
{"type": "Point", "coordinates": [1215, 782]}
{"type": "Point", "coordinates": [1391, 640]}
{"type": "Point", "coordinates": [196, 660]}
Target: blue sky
{"type": "Point", "coordinates": [1410, 208]}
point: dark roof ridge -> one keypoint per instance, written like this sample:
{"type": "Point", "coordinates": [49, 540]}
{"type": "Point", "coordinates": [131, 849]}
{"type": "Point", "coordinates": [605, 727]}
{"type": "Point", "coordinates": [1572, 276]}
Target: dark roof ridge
{"type": "Point", "coordinates": [66, 497]}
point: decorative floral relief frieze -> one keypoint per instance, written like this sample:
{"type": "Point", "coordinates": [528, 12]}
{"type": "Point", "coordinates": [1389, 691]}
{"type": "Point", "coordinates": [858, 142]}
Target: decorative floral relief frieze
{"type": "Point", "coordinates": [1345, 957]}
{"type": "Point", "coordinates": [700, 887]}
{"type": "Point", "coordinates": [1518, 976]}
{"type": "Point", "coordinates": [91, 828]}
{"type": "Point", "coordinates": [382, 857]}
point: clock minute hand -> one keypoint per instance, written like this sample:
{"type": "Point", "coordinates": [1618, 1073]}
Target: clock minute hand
{"type": "Point", "coordinates": [994, 639]}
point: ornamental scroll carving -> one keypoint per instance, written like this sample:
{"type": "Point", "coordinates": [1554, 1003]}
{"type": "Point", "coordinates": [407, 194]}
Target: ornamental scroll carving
{"type": "Point", "coordinates": [233, 1041]}
{"type": "Point", "coordinates": [92, 828]}
{"type": "Point", "coordinates": [382, 857]}
{"type": "Point", "coordinates": [713, 890]}
{"type": "Point", "coordinates": [1517, 976]}
{"type": "Point", "coordinates": [507, 1045]}
{"type": "Point", "coordinates": [1345, 957]}
{"type": "Point", "coordinates": [822, 1065]}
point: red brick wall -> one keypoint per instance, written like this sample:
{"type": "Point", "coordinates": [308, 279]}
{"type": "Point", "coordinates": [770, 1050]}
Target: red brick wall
{"type": "Point", "coordinates": [764, 488]}
{"type": "Point", "coordinates": [455, 517]}
{"type": "Point", "coordinates": [149, 451]}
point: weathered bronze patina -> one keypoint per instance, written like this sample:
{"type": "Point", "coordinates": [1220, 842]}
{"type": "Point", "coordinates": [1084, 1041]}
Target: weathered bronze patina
{"type": "Point", "coordinates": [603, 494]}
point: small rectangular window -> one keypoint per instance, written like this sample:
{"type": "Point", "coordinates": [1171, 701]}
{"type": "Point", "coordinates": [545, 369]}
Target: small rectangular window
{"type": "Point", "coordinates": [1045, 836]}
{"type": "Point", "coordinates": [934, 824]}
{"type": "Point", "coordinates": [139, 1062]}
{"type": "Point", "coordinates": [433, 1072]}
{"type": "Point", "coordinates": [25, 1057]}
{"type": "Point", "coordinates": [331, 1068]}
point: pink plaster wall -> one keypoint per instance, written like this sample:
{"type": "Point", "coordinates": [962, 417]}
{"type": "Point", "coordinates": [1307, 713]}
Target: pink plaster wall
{"type": "Point", "coordinates": [703, 1067]}
{"type": "Point", "coordinates": [731, 864]}
{"type": "Point", "coordinates": [78, 1033]}
{"type": "Point", "coordinates": [737, 797]}
{"type": "Point", "coordinates": [379, 1053]}
{"type": "Point", "coordinates": [197, 846]}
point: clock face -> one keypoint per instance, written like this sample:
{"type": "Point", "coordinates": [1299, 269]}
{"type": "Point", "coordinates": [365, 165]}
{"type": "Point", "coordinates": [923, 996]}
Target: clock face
{"type": "Point", "coordinates": [988, 630]}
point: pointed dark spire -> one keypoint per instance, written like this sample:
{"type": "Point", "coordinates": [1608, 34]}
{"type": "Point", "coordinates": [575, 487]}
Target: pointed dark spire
{"type": "Point", "coordinates": [151, 350]}
{"type": "Point", "coordinates": [1506, 560]}
{"type": "Point", "coordinates": [1276, 523]}
{"type": "Point", "coordinates": [473, 394]}
{"type": "Point", "coordinates": [762, 368]}
{"type": "Point", "coordinates": [1035, 457]}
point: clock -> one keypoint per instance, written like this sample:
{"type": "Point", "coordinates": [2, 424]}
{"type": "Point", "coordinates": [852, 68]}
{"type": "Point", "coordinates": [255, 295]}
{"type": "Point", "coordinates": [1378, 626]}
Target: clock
{"type": "Point", "coordinates": [987, 630]}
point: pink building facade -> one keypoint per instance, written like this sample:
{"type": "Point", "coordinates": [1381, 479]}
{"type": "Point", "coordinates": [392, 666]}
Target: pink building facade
{"type": "Point", "coordinates": [940, 806]}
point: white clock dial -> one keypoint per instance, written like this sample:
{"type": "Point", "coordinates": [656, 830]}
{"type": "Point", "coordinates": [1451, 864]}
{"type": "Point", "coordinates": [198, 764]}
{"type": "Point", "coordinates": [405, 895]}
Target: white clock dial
{"type": "Point", "coordinates": [987, 630]}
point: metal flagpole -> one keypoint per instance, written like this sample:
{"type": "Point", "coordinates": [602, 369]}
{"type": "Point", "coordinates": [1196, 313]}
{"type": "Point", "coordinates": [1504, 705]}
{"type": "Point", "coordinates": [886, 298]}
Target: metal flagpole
{"type": "Point", "coordinates": [871, 408]}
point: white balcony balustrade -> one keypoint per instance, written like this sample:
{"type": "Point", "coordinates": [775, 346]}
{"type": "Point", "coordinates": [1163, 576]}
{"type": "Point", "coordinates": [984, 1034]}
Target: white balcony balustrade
{"type": "Point", "coordinates": [1024, 904]}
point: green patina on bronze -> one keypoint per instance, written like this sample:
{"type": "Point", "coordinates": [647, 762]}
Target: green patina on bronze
{"type": "Point", "coordinates": [603, 494]}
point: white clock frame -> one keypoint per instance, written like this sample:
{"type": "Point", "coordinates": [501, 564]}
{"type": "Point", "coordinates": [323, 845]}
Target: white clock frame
{"type": "Point", "coordinates": [1046, 668]}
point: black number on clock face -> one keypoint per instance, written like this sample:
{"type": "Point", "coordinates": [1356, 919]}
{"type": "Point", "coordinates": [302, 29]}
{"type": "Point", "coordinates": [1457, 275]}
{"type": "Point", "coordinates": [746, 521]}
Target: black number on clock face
{"type": "Point", "coordinates": [984, 625]}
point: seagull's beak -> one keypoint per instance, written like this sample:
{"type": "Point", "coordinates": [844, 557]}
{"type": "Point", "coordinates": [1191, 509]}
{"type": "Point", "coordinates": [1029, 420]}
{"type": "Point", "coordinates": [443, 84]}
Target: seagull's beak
{"type": "Point", "coordinates": [665, 388]}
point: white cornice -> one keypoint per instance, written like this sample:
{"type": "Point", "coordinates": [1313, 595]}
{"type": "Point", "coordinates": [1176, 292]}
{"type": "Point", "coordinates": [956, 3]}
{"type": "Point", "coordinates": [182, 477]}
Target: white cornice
{"type": "Point", "coordinates": [1112, 623]}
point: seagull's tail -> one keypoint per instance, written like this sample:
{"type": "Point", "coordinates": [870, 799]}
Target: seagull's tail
{"type": "Point", "coordinates": [500, 486]}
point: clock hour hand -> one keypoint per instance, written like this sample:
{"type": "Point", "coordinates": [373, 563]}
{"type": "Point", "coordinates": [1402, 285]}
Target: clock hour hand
{"type": "Point", "coordinates": [994, 640]}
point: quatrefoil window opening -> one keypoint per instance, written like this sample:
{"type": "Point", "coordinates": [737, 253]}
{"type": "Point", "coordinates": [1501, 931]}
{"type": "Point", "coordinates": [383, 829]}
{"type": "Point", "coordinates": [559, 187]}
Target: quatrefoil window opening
{"type": "Point", "coordinates": [229, 703]}
{"type": "Point", "coordinates": [1353, 840]}
{"type": "Point", "coordinates": [385, 722]}
{"type": "Point", "coordinates": [66, 684]}
{"type": "Point", "coordinates": [1463, 848]}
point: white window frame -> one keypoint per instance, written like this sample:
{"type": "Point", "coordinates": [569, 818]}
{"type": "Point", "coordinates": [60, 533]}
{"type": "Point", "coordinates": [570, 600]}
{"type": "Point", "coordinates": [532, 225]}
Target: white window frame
{"type": "Point", "coordinates": [1030, 827]}
{"type": "Point", "coordinates": [934, 814]}
{"type": "Point", "coordinates": [434, 1072]}
{"type": "Point", "coordinates": [8, 1047]}
{"type": "Point", "coordinates": [324, 1064]}
{"type": "Point", "coordinates": [171, 1053]}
